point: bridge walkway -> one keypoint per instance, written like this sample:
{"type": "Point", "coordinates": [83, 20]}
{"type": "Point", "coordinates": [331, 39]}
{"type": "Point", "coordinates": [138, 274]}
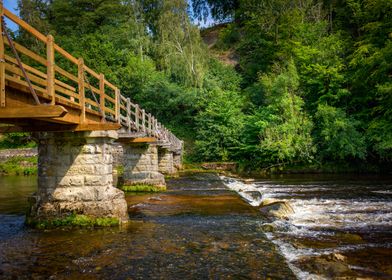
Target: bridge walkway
{"type": "Point", "coordinates": [56, 91]}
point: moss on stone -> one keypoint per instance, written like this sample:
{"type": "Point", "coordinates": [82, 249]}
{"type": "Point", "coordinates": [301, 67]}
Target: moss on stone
{"type": "Point", "coordinates": [74, 220]}
{"type": "Point", "coordinates": [120, 170]}
{"type": "Point", "coordinates": [143, 188]}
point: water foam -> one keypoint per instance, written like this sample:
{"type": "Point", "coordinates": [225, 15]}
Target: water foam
{"type": "Point", "coordinates": [319, 215]}
{"type": "Point", "coordinates": [249, 192]}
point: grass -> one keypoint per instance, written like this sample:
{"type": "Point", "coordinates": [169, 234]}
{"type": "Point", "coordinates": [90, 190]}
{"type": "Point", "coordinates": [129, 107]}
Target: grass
{"type": "Point", "coordinates": [74, 220]}
{"type": "Point", "coordinates": [19, 166]}
{"type": "Point", "coordinates": [143, 188]}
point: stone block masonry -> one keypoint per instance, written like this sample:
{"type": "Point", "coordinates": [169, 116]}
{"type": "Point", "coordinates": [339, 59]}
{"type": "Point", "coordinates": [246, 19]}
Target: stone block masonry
{"type": "Point", "coordinates": [118, 155]}
{"type": "Point", "coordinates": [141, 165]}
{"type": "Point", "coordinates": [177, 160]}
{"type": "Point", "coordinates": [75, 176]}
{"type": "Point", "coordinates": [165, 162]}
{"type": "Point", "coordinates": [12, 153]}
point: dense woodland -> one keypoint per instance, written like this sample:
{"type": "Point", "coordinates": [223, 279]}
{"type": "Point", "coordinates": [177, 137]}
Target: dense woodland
{"type": "Point", "coordinates": [307, 82]}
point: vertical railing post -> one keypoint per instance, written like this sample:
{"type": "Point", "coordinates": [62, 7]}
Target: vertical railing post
{"type": "Point", "coordinates": [149, 124]}
{"type": "Point", "coordinates": [161, 132]}
{"type": "Point", "coordinates": [144, 120]}
{"type": "Point", "coordinates": [152, 126]}
{"type": "Point", "coordinates": [50, 68]}
{"type": "Point", "coordinates": [102, 95]}
{"type": "Point", "coordinates": [137, 117]}
{"type": "Point", "coordinates": [129, 114]}
{"type": "Point", "coordinates": [156, 127]}
{"type": "Point", "coordinates": [2, 59]}
{"type": "Point", "coordinates": [117, 105]}
{"type": "Point", "coordinates": [81, 90]}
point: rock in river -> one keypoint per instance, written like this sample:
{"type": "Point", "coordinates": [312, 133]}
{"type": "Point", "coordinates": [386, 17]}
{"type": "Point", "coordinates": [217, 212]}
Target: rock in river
{"type": "Point", "coordinates": [276, 209]}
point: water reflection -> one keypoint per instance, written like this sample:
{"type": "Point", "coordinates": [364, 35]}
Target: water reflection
{"type": "Point", "coordinates": [14, 191]}
{"type": "Point", "coordinates": [340, 227]}
{"type": "Point", "coordinates": [206, 233]}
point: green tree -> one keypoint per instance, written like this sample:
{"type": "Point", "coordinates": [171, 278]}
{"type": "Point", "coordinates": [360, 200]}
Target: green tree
{"type": "Point", "coordinates": [337, 136]}
{"type": "Point", "coordinates": [283, 128]}
{"type": "Point", "coordinates": [219, 125]}
{"type": "Point", "coordinates": [179, 49]}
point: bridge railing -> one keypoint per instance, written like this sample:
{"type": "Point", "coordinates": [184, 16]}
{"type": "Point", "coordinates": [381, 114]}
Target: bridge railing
{"type": "Point", "coordinates": [78, 87]}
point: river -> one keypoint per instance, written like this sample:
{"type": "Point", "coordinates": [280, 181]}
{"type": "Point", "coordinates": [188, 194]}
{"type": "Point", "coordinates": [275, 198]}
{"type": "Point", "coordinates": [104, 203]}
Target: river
{"type": "Point", "coordinates": [200, 229]}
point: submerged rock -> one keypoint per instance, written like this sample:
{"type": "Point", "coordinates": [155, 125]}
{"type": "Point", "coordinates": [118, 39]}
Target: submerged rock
{"type": "Point", "coordinates": [331, 266]}
{"type": "Point", "coordinates": [268, 228]}
{"type": "Point", "coordinates": [253, 195]}
{"type": "Point", "coordinates": [276, 209]}
{"type": "Point", "coordinates": [350, 238]}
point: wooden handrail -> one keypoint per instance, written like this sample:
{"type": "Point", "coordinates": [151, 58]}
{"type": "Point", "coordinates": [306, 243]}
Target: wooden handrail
{"type": "Point", "coordinates": [110, 101]}
{"type": "Point", "coordinates": [91, 72]}
{"type": "Point", "coordinates": [2, 60]}
{"type": "Point", "coordinates": [25, 25]}
{"type": "Point", "coordinates": [65, 54]}
{"type": "Point", "coordinates": [50, 68]}
{"type": "Point", "coordinates": [81, 90]}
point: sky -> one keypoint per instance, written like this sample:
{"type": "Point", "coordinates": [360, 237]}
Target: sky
{"type": "Point", "coordinates": [11, 5]}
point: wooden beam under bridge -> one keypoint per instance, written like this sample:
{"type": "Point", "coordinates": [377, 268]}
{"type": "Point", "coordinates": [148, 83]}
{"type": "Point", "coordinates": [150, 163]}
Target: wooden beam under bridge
{"type": "Point", "coordinates": [59, 127]}
{"type": "Point", "coordinates": [137, 140]}
{"type": "Point", "coordinates": [37, 111]}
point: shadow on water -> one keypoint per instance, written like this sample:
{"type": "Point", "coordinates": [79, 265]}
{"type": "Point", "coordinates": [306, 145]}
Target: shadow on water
{"type": "Point", "coordinates": [196, 230]}
{"type": "Point", "coordinates": [14, 191]}
{"type": "Point", "coordinates": [199, 229]}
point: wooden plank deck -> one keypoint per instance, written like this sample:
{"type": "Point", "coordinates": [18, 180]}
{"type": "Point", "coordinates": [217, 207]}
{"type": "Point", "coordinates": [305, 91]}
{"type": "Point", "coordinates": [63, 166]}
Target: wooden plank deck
{"type": "Point", "coordinates": [73, 98]}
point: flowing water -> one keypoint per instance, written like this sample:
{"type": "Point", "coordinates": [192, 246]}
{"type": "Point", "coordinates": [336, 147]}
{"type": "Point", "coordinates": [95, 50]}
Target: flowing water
{"type": "Point", "coordinates": [339, 226]}
{"type": "Point", "coordinates": [196, 230]}
{"type": "Point", "coordinates": [199, 229]}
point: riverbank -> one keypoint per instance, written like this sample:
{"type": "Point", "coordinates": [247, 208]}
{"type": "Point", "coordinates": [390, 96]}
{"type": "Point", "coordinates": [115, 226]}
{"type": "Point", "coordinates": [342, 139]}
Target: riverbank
{"type": "Point", "coordinates": [239, 170]}
{"type": "Point", "coordinates": [23, 161]}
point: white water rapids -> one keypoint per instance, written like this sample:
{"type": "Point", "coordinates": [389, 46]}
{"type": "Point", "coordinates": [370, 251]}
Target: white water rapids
{"type": "Point", "coordinates": [321, 211]}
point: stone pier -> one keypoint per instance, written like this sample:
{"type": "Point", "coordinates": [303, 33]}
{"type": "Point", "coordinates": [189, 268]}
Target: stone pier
{"type": "Point", "coordinates": [141, 165]}
{"type": "Point", "coordinates": [165, 162]}
{"type": "Point", "coordinates": [75, 177]}
{"type": "Point", "coordinates": [177, 160]}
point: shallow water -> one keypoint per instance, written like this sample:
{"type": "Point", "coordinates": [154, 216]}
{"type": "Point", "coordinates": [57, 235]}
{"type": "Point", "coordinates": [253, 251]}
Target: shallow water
{"type": "Point", "coordinates": [196, 230]}
{"type": "Point", "coordinates": [340, 226]}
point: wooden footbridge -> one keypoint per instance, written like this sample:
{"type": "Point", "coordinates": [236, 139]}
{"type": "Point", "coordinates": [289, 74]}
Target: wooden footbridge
{"type": "Point", "coordinates": [58, 92]}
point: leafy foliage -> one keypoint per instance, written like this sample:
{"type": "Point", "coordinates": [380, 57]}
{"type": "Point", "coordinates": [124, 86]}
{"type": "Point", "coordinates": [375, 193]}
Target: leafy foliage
{"type": "Point", "coordinates": [219, 125]}
{"type": "Point", "coordinates": [282, 127]}
{"type": "Point", "coordinates": [337, 135]}
{"type": "Point", "coordinates": [312, 83]}
{"type": "Point", "coordinates": [16, 140]}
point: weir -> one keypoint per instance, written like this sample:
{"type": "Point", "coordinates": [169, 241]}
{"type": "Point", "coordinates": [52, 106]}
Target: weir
{"type": "Point", "coordinates": [77, 114]}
